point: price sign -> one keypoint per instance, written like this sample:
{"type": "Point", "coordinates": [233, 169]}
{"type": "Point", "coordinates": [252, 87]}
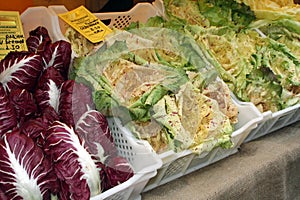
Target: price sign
{"type": "Point", "coordinates": [11, 33]}
{"type": "Point", "coordinates": [86, 23]}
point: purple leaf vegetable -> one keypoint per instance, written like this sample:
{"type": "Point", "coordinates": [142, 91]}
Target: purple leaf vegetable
{"type": "Point", "coordinates": [8, 117]}
{"type": "Point", "coordinates": [38, 40]}
{"type": "Point", "coordinates": [20, 70]}
{"type": "Point", "coordinates": [93, 128]}
{"type": "Point", "coordinates": [75, 99]}
{"type": "Point", "coordinates": [73, 164]}
{"type": "Point", "coordinates": [48, 89]}
{"type": "Point", "coordinates": [58, 55]}
{"type": "Point", "coordinates": [36, 128]}
{"type": "Point", "coordinates": [118, 170]}
{"type": "Point", "coordinates": [49, 115]}
{"type": "Point", "coordinates": [24, 104]}
{"type": "Point", "coordinates": [25, 173]}
{"type": "Point", "coordinates": [2, 195]}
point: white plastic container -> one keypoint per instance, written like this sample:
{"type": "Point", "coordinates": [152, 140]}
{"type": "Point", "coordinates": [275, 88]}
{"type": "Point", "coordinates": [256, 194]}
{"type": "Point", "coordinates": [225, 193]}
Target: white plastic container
{"type": "Point", "coordinates": [33, 17]}
{"type": "Point", "coordinates": [274, 121]}
{"type": "Point", "coordinates": [141, 156]}
{"type": "Point", "coordinates": [141, 12]}
{"type": "Point", "coordinates": [174, 164]}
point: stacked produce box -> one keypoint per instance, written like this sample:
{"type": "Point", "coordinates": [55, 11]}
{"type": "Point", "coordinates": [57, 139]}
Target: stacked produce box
{"type": "Point", "coordinates": [177, 85]}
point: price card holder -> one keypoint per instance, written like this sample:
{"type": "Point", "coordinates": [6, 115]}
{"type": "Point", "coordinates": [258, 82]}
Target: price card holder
{"type": "Point", "coordinates": [11, 33]}
{"type": "Point", "coordinates": [86, 23]}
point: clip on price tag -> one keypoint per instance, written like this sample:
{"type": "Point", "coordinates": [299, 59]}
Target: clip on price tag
{"type": "Point", "coordinates": [86, 23]}
{"type": "Point", "coordinates": [11, 33]}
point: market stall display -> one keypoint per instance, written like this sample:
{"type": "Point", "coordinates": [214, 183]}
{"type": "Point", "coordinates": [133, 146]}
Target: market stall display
{"type": "Point", "coordinates": [209, 154]}
{"type": "Point", "coordinates": [54, 143]}
{"type": "Point", "coordinates": [258, 67]}
{"type": "Point", "coordinates": [177, 86]}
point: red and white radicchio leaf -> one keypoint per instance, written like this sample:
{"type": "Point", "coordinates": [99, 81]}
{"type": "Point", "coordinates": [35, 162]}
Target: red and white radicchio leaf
{"type": "Point", "coordinates": [52, 74]}
{"type": "Point", "coordinates": [75, 100]}
{"type": "Point", "coordinates": [58, 55]}
{"type": "Point", "coordinates": [20, 70]}
{"type": "Point", "coordinates": [35, 129]}
{"type": "Point", "coordinates": [66, 149]}
{"type": "Point", "coordinates": [118, 170]}
{"type": "Point", "coordinates": [2, 195]}
{"type": "Point", "coordinates": [8, 117]}
{"type": "Point", "coordinates": [93, 128]}
{"type": "Point", "coordinates": [24, 104]}
{"type": "Point", "coordinates": [25, 173]}
{"type": "Point", "coordinates": [48, 89]}
{"type": "Point", "coordinates": [38, 40]}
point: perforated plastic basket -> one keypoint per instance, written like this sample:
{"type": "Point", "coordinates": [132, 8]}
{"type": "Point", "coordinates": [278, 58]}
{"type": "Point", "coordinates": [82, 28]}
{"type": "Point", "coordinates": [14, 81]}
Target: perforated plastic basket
{"type": "Point", "coordinates": [139, 13]}
{"type": "Point", "coordinates": [274, 121]}
{"type": "Point", "coordinates": [33, 17]}
{"type": "Point", "coordinates": [143, 159]}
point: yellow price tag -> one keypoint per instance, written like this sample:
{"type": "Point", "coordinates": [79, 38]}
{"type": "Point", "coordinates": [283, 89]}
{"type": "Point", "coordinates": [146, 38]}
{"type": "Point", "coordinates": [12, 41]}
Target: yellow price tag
{"type": "Point", "coordinates": [11, 33]}
{"type": "Point", "coordinates": [86, 23]}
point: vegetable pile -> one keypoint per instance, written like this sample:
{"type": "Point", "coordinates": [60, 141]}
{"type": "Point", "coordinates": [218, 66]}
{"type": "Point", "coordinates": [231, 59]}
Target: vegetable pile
{"type": "Point", "coordinates": [165, 91]}
{"type": "Point", "coordinates": [274, 9]}
{"type": "Point", "coordinates": [257, 58]}
{"type": "Point", "coordinates": [54, 144]}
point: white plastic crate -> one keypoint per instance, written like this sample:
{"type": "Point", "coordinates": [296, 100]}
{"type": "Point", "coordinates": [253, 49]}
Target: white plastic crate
{"type": "Point", "coordinates": [141, 156]}
{"type": "Point", "coordinates": [274, 121]}
{"type": "Point", "coordinates": [179, 164]}
{"type": "Point", "coordinates": [33, 17]}
{"type": "Point", "coordinates": [139, 13]}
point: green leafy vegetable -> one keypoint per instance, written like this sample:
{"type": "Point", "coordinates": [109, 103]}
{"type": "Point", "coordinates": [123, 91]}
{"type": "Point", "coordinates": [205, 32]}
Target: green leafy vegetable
{"type": "Point", "coordinates": [147, 83]}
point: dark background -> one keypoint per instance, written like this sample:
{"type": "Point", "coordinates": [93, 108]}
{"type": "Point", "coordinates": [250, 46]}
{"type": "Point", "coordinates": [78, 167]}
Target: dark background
{"type": "Point", "coordinates": [121, 5]}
